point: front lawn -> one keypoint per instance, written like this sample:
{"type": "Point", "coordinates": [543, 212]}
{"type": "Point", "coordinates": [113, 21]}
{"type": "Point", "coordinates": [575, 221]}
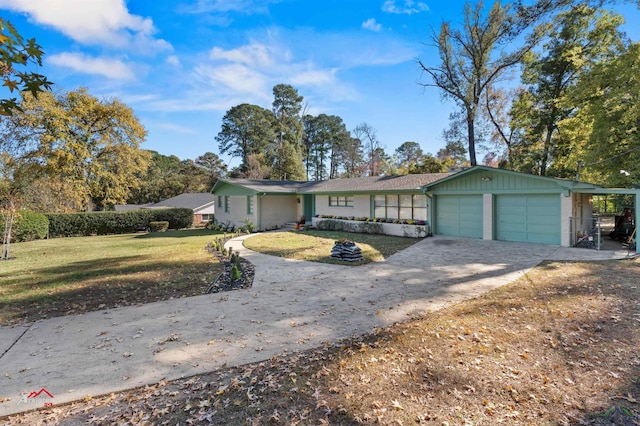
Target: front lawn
{"type": "Point", "coordinates": [316, 245]}
{"type": "Point", "coordinates": [66, 276]}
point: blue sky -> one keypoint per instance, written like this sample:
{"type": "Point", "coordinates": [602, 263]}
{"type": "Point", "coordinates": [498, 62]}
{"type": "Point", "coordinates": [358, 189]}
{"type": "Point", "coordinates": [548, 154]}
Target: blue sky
{"type": "Point", "coordinates": [181, 64]}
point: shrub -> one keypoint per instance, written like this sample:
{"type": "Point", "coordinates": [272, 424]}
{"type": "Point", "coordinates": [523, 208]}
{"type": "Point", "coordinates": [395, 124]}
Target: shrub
{"type": "Point", "coordinates": [104, 223]}
{"type": "Point", "coordinates": [178, 218]}
{"type": "Point", "coordinates": [158, 226]}
{"type": "Point", "coordinates": [28, 226]}
{"type": "Point", "coordinates": [235, 273]}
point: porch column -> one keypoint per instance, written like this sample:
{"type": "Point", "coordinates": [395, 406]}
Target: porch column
{"type": "Point", "coordinates": [566, 210]}
{"type": "Point", "coordinates": [487, 216]}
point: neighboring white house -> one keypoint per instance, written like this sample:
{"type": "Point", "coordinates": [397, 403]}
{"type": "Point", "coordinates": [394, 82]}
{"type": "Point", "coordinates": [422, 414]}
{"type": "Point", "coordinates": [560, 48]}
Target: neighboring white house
{"type": "Point", "coordinates": [202, 204]}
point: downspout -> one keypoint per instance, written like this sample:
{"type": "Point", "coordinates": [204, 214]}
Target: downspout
{"type": "Point", "coordinates": [429, 212]}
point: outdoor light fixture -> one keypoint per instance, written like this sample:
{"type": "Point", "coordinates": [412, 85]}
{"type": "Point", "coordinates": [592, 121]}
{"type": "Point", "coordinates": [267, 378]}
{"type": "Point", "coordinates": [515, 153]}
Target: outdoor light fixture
{"type": "Point", "coordinates": [486, 178]}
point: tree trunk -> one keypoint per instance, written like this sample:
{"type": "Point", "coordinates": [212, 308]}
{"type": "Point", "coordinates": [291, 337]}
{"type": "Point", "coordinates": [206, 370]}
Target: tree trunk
{"type": "Point", "coordinates": [472, 138]}
{"type": "Point", "coordinates": [545, 151]}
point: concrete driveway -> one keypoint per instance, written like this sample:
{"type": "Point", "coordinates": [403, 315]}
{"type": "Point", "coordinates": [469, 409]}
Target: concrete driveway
{"type": "Point", "coordinates": [292, 306]}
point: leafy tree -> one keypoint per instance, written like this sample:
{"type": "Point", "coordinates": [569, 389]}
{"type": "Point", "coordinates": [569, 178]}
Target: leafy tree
{"type": "Point", "coordinates": [350, 158]}
{"type": "Point", "coordinates": [162, 180]}
{"type": "Point", "coordinates": [246, 130]}
{"type": "Point", "coordinates": [453, 155]}
{"type": "Point", "coordinates": [286, 107]}
{"type": "Point", "coordinates": [211, 167]}
{"type": "Point", "coordinates": [381, 164]}
{"type": "Point", "coordinates": [286, 153]}
{"type": "Point", "coordinates": [324, 138]}
{"type": "Point", "coordinates": [603, 135]}
{"type": "Point", "coordinates": [195, 178]}
{"type": "Point", "coordinates": [168, 176]}
{"type": "Point", "coordinates": [288, 163]}
{"type": "Point", "coordinates": [91, 145]}
{"type": "Point", "coordinates": [256, 168]}
{"type": "Point", "coordinates": [16, 54]}
{"type": "Point", "coordinates": [342, 150]}
{"type": "Point", "coordinates": [428, 164]}
{"type": "Point", "coordinates": [578, 39]}
{"type": "Point", "coordinates": [408, 155]}
{"type": "Point", "coordinates": [473, 58]}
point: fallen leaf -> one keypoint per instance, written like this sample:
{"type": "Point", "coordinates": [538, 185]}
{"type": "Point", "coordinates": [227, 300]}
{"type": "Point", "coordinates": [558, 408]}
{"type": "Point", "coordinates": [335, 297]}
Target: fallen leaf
{"type": "Point", "coordinates": [395, 404]}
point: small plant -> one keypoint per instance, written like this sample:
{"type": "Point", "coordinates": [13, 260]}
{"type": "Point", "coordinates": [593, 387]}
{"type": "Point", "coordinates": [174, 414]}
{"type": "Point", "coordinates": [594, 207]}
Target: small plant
{"type": "Point", "coordinates": [235, 273]}
{"type": "Point", "coordinates": [249, 227]}
{"type": "Point", "coordinates": [159, 226]}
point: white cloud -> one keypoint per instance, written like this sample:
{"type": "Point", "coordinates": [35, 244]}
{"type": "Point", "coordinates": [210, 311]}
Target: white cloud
{"type": "Point", "coordinates": [232, 78]}
{"type": "Point", "coordinates": [104, 22]}
{"type": "Point", "coordinates": [246, 7]}
{"type": "Point", "coordinates": [110, 68]}
{"type": "Point", "coordinates": [371, 24]}
{"type": "Point", "coordinates": [176, 128]}
{"type": "Point", "coordinates": [409, 7]}
{"type": "Point", "coordinates": [313, 77]}
{"type": "Point", "coordinates": [173, 60]}
{"type": "Point", "coordinates": [254, 54]}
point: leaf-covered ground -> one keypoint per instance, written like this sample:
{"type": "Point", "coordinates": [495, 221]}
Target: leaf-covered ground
{"type": "Point", "coordinates": [557, 347]}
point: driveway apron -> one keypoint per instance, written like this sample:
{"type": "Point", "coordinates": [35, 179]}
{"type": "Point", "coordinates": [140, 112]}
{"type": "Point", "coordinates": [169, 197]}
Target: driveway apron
{"type": "Point", "coordinates": [292, 306]}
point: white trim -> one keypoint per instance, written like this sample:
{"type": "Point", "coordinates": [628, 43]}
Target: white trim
{"type": "Point", "coordinates": [487, 216]}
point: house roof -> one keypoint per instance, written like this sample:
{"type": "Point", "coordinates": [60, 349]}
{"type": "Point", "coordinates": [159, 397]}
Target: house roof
{"type": "Point", "coordinates": [373, 183]}
{"type": "Point", "coordinates": [263, 185]}
{"type": "Point", "coordinates": [128, 207]}
{"type": "Point", "coordinates": [192, 201]}
{"type": "Point", "coordinates": [563, 183]}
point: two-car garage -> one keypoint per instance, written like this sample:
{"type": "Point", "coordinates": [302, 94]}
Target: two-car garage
{"type": "Point", "coordinates": [523, 218]}
{"type": "Point", "coordinates": [502, 205]}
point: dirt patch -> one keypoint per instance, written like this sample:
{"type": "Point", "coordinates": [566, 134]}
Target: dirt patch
{"type": "Point", "coordinates": [557, 347]}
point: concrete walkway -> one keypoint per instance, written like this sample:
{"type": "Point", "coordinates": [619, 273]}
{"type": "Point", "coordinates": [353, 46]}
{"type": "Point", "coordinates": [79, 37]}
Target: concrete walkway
{"type": "Point", "coordinates": [292, 306]}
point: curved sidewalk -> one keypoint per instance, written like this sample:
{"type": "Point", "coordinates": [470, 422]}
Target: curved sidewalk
{"type": "Point", "coordinates": [292, 306]}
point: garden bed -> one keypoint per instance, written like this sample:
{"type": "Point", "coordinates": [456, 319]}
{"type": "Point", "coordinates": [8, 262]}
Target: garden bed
{"type": "Point", "coordinates": [409, 229]}
{"type": "Point", "coordinates": [226, 280]}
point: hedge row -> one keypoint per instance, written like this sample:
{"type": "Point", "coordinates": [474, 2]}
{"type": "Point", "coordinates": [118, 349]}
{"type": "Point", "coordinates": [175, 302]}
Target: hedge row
{"type": "Point", "coordinates": [27, 226]}
{"type": "Point", "coordinates": [104, 223]}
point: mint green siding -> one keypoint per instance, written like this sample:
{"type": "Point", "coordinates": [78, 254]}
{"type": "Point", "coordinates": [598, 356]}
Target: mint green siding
{"type": "Point", "coordinates": [496, 182]}
{"type": "Point", "coordinates": [533, 218]}
{"type": "Point", "coordinates": [459, 215]}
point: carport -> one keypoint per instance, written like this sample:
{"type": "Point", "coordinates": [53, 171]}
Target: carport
{"type": "Point", "coordinates": [588, 194]}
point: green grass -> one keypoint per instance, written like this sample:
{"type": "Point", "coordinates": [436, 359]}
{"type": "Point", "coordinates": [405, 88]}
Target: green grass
{"type": "Point", "coordinates": [316, 246]}
{"type": "Point", "coordinates": [65, 276]}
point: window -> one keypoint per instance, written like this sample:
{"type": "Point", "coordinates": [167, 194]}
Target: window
{"type": "Point", "coordinates": [220, 201]}
{"type": "Point", "coordinates": [402, 206]}
{"type": "Point", "coordinates": [341, 201]}
{"type": "Point", "coordinates": [227, 207]}
{"type": "Point", "coordinates": [249, 204]}
{"type": "Point", "coordinates": [207, 217]}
